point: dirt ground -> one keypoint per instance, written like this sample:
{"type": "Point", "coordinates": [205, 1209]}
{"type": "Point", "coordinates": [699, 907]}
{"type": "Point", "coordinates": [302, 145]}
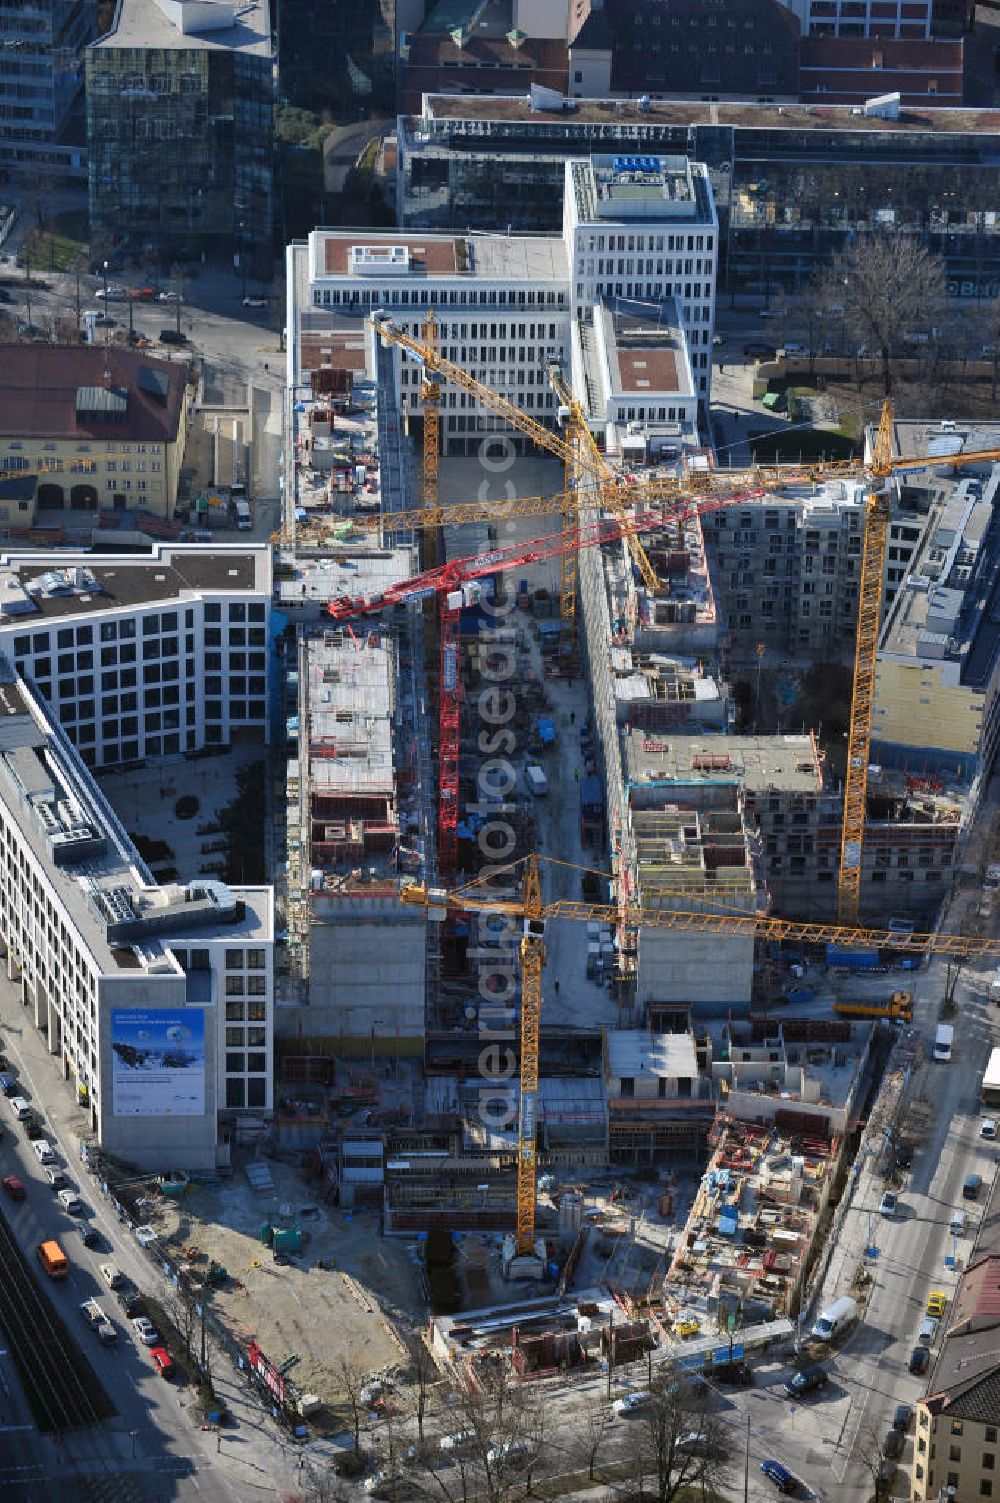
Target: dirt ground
{"type": "Point", "coordinates": [321, 1316]}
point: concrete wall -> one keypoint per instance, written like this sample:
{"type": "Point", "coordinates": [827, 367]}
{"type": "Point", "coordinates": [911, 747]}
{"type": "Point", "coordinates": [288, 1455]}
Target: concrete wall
{"type": "Point", "coordinates": [710, 971]}
{"type": "Point", "coordinates": [751, 1107]}
{"type": "Point", "coordinates": [922, 705]}
{"type": "Point", "coordinates": [366, 973]}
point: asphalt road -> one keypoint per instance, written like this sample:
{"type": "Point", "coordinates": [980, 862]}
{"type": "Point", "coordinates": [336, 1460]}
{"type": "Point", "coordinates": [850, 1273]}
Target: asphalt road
{"type": "Point", "coordinates": [153, 1450]}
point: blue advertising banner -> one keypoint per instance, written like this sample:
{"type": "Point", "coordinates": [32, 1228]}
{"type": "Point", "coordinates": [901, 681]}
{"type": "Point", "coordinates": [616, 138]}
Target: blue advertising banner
{"type": "Point", "coordinates": [159, 1062]}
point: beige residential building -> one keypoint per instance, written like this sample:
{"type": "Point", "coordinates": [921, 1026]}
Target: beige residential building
{"type": "Point", "coordinates": [957, 1438]}
{"type": "Point", "coordinates": [109, 425]}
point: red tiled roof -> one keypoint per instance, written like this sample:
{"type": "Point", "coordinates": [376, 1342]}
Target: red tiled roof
{"type": "Point", "coordinates": [39, 383]}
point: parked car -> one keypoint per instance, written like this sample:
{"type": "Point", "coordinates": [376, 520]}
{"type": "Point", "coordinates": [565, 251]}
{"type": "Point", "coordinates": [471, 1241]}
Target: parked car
{"type": "Point", "coordinates": [919, 1359]}
{"type": "Point", "coordinates": [255, 302]}
{"type": "Point", "coordinates": [904, 1155]}
{"type": "Point", "coordinates": [71, 1202]}
{"type": "Point", "coordinates": [988, 1127]}
{"type": "Point", "coordinates": [756, 350]}
{"type": "Point", "coordinates": [89, 1235]}
{"type": "Point", "coordinates": [887, 1205]}
{"type": "Point", "coordinates": [56, 1177]}
{"type": "Point", "coordinates": [112, 1275]}
{"type": "Point", "coordinates": [928, 1330]}
{"type": "Point", "coordinates": [172, 336]}
{"type": "Point", "coordinates": [130, 1299]}
{"type": "Point", "coordinates": [162, 1361]}
{"type": "Point", "coordinates": [631, 1403]}
{"type": "Point", "coordinates": [13, 1186]}
{"type": "Point", "coordinates": [168, 297]}
{"type": "Point", "coordinates": [733, 1372]}
{"type": "Point", "coordinates": [784, 1480]}
{"type": "Point", "coordinates": [105, 321]}
{"type": "Point", "coordinates": [807, 1380]}
{"type": "Point", "coordinates": [143, 295]}
{"type": "Point", "coordinates": [145, 1330]}
{"type": "Point", "coordinates": [44, 1151]}
{"type": "Point", "coordinates": [936, 1302]}
{"type": "Point", "coordinates": [902, 1416]}
{"type": "Point", "coordinates": [34, 1126]}
{"type": "Point", "coordinates": [971, 1187]}
{"type": "Point", "coordinates": [507, 1452]}
{"type": "Point", "coordinates": [113, 294]}
{"type": "Point", "coordinates": [458, 1441]}
{"type": "Point", "coordinates": [894, 1442]}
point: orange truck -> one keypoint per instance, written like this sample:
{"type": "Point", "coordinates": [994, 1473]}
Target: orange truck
{"type": "Point", "coordinates": [53, 1259]}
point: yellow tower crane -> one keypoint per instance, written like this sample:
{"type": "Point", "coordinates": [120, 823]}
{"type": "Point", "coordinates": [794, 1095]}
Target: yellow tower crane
{"type": "Point", "coordinates": [880, 468]}
{"type": "Point", "coordinates": [859, 735]}
{"type": "Point", "coordinates": [533, 914]}
{"type": "Point", "coordinates": [430, 398]}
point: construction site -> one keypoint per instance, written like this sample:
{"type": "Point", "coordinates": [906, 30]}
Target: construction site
{"type": "Point", "coordinates": [510, 704]}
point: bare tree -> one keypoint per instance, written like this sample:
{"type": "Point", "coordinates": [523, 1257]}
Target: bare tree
{"type": "Point", "coordinates": [870, 1451]}
{"type": "Point", "coordinates": [501, 1447]}
{"type": "Point", "coordinates": [352, 1382]}
{"type": "Point", "coordinates": [182, 1309]}
{"type": "Point", "coordinates": [425, 1373]}
{"type": "Point", "coordinates": [889, 286]}
{"type": "Point", "coordinates": [679, 1441]}
{"type": "Point", "coordinates": [596, 1422]}
{"type": "Point", "coordinates": [321, 1484]}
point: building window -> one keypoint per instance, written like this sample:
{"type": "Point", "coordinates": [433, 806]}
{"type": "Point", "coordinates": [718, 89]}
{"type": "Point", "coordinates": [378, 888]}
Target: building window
{"type": "Point", "coordinates": [235, 1094]}
{"type": "Point", "coordinates": [235, 1012]}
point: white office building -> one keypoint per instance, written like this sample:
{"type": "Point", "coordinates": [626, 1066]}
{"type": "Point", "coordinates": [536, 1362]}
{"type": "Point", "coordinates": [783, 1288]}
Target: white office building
{"type": "Point", "coordinates": [644, 229]}
{"type": "Point", "coordinates": [158, 1001]}
{"type": "Point", "coordinates": [143, 655]}
{"type": "Point", "coordinates": [505, 304]}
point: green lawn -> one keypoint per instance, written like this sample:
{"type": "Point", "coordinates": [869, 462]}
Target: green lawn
{"type": "Point", "coordinates": [56, 247]}
{"type": "Point", "coordinates": [789, 446]}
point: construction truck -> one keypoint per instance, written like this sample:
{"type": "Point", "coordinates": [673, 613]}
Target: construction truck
{"type": "Point", "coordinates": [898, 1008]}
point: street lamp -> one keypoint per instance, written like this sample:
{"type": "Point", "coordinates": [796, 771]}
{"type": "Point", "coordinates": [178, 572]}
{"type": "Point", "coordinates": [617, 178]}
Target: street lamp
{"type": "Point", "coordinates": [376, 1023]}
{"type": "Point", "coordinates": [243, 263]}
{"type": "Point", "coordinates": [105, 286]}
{"type": "Point", "coordinates": [132, 1437]}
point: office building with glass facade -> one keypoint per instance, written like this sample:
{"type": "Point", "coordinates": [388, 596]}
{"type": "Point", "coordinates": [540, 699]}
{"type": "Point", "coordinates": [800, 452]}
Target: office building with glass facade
{"type": "Point", "coordinates": [41, 74]}
{"type": "Point", "coordinates": [791, 183]}
{"type": "Point", "coordinates": [180, 102]}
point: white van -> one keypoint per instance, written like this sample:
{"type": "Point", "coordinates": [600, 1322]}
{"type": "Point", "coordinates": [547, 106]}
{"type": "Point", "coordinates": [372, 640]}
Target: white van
{"type": "Point", "coordinates": [20, 1107]}
{"type": "Point", "coordinates": [44, 1151]}
{"type": "Point", "coordinates": [834, 1318]}
{"type": "Point", "coordinates": [944, 1037]}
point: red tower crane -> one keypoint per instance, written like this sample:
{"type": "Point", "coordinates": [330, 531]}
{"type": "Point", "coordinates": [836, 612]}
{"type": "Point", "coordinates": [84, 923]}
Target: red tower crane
{"type": "Point", "coordinates": [458, 585]}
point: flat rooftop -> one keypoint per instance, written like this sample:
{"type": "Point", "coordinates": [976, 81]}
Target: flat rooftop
{"type": "Point", "coordinates": [343, 570]}
{"type": "Point", "coordinates": [938, 611]}
{"type": "Point", "coordinates": [75, 836]}
{"type": "Point", "coordinates": [366, 256]}
{"type": "Point", "coordinates": [633, 1054]}
{"type": "Point", "coordinates": [646, 351]}
{"type": "Point", "coordinates": [790, 117]}
{"type": "Point", "coordinates": [758, 763]}
{"type": "Point", "coordinates": [349, 703]}
{"type": "Point", "coordinates": [192, 26]}
{"type": "Point", "coordinates": [47, 585]}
